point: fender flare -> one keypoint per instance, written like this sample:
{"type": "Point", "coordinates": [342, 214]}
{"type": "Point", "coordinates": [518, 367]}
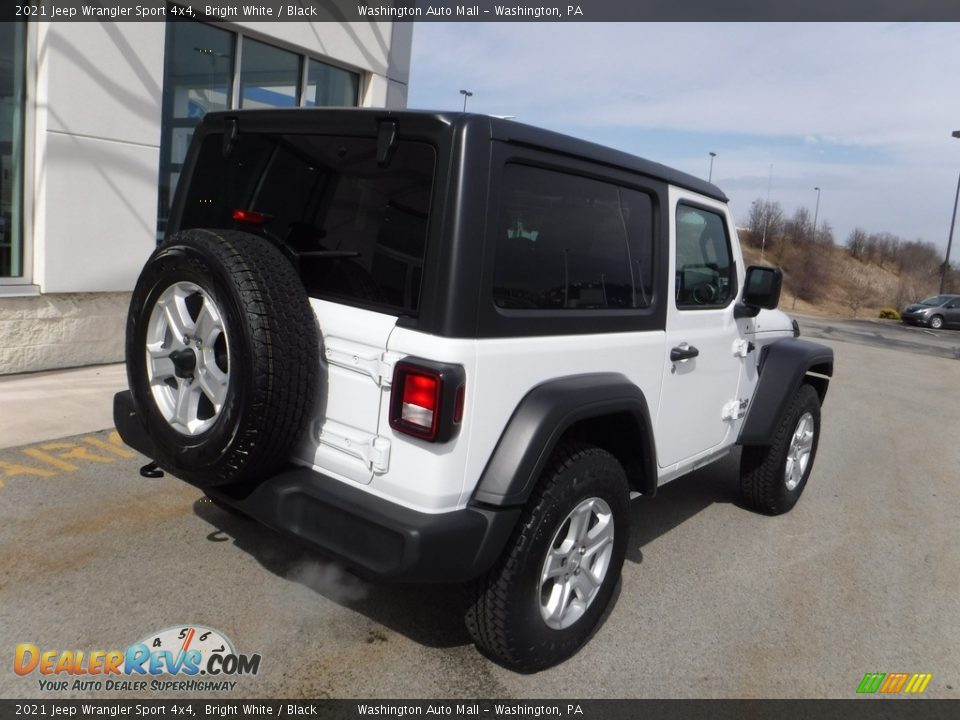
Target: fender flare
{"type": "Point", "coordinates": [545, 414]}
{"type": "Point", "coordinates": [784, 365]}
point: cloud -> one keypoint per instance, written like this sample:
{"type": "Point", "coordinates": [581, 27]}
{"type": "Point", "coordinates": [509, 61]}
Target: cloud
{"type": "Point", "coordinates": [865, 82]}
{"type": "Point", "coordinates": [863, 110]}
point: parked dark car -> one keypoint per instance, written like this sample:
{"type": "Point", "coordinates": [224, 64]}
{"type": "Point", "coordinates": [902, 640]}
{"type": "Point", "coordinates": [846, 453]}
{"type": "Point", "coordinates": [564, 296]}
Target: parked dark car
{"type": "Point", "coordinates": [936, 312]}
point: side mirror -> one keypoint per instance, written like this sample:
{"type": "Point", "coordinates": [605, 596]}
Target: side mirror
{"type": "Point", "coordinates": [761, 291]}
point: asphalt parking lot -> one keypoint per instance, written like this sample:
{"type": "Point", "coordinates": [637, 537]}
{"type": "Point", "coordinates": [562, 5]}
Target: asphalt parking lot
{"type": "Point", "coordinates": [863, 576]}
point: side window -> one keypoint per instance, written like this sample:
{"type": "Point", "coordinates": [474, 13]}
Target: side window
{"type": "Point", "coordinates": [705, 272]}
{"type": "Point", "coordinates": [569, 242]}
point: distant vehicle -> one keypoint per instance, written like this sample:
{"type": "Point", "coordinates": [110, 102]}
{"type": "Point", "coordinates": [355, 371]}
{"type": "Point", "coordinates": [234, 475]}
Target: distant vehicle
{"type": "Point", "coordinates": [937, 312]}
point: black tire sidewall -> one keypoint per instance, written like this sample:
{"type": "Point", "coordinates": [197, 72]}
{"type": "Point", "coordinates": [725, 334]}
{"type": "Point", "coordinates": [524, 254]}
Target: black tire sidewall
{"type": "Point", "coordinates": [189, 454]}
{"type": "Point", "coordinates": [596, 474]}
{"type": "Point", "coordinates": [763, 484]}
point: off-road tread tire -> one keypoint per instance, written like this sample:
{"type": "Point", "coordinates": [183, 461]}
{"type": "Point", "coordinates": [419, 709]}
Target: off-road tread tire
{"type": "Point", "coordinates": [274, 354]}
{"type": "Point", "coordinates": [491, 617]}
{"type": "Point", "coordinates": [762, 485]}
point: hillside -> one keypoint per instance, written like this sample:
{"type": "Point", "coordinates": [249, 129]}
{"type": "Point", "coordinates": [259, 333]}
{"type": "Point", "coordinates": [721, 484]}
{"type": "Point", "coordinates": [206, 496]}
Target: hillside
{"type": "Point", "coordinates": [841, 286]}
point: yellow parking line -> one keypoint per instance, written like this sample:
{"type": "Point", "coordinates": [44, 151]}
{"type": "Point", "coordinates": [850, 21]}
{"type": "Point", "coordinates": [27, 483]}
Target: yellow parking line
{"type": "Point", "coordinates": [59, 457]}
{"type": "Point", "coordinates": [49, 459]}
{"type": "Point", "coordinates": [13, 469]}
{"type": "Point", "coordinates": [122, 452]}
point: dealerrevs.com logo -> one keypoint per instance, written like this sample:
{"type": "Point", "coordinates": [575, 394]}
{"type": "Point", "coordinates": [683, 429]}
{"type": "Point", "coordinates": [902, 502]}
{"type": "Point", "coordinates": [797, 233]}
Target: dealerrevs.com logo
{"type": "Point", "coordinates": [200, 659]}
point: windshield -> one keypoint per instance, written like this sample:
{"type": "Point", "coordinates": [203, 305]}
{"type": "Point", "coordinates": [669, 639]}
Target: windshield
{"type": "Point", "coordinates": [936, 300]}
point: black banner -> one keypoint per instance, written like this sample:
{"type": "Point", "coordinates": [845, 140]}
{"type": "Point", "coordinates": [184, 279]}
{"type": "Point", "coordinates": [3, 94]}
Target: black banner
{"type": "Point", "coordinates": [481, 10]}
{"type": "Point", "coordinates": [856, 709]}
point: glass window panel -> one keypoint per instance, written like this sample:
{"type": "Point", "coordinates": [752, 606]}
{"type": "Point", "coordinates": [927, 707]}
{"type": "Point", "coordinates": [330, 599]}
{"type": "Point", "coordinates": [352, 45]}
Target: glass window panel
{"type": "Point", "coordinates": [198, 77]}
{"type": "Point", "coordinates": [359, 229]}
{"type": "Point", "coordinates": [331, 86]}
{"type": "Point", "coordinates": [269, 76]}
{"type": "Point", "coordinates": [705, 271]}
{"type": "Point", "coordinates": [12, 57]}
{"type": "Point", "coordinates": [570, 242]}
{"type": "Point", "coordinates": [199, 69]}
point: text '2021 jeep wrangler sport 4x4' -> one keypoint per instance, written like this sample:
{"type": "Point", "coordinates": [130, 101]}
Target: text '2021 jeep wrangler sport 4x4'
{"type": "Point", "coordinates": [447, 347]}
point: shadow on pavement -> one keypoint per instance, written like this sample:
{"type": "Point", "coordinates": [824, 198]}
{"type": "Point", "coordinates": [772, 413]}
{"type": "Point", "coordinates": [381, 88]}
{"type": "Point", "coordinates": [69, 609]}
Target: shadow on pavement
{"type": "Point", "coordinates": [432, 615]}
{"type": "Point", "coordinates": [681, 499]}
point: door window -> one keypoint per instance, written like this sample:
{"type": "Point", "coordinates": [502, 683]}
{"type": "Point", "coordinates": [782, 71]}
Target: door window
{"type": "Point", "coordinates": [705, 275]}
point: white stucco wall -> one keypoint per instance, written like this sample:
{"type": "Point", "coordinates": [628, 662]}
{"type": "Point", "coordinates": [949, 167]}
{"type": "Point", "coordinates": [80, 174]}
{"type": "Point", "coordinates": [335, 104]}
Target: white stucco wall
{"type": "Point", "coordinates": [99, 92]}
{"type": "Point", "coordinates": [93, 145]}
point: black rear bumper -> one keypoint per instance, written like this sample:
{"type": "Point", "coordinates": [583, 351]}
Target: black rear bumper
{"type": "Point", "coordinates": [375, 536]}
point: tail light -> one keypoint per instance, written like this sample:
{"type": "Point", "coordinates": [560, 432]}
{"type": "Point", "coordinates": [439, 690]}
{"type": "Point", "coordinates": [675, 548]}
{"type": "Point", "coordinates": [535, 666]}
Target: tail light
{"type": "Point", "coordinates": [427, 399]}
{"type": "Point", "coordinates": [250, 217]}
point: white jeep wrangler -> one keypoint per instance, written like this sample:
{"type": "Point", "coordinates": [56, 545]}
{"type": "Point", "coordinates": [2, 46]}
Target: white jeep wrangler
{"type": "Point", "coordinates": [447, 347]}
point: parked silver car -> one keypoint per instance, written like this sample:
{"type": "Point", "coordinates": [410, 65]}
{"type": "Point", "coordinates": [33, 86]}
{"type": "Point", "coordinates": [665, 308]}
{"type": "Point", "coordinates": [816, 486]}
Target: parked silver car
{"type": "Point", "coordinates": [937, 312]}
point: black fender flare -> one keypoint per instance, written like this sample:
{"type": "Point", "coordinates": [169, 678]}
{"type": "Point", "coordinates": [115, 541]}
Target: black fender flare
{"type": "Point", "coordinates": [784, 365]}
{"type": "Point", "coordinates": [545, 414]}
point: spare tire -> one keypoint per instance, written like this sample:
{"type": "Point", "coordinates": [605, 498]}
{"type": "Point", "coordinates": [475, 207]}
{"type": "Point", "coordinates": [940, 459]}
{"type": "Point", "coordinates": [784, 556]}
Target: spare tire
{"type": "Point", "coordinates": [222, 353]}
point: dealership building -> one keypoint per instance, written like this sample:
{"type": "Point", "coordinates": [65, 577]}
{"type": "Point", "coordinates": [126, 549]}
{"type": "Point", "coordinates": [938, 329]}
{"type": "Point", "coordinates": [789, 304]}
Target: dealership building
{"type": "Point", "coordinates": [95, 120]}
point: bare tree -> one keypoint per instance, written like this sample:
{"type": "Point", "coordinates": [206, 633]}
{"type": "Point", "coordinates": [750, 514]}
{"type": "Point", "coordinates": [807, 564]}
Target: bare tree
{"type": "Point", "coordinates": [799, 228]}
{"type": "Point", "coordinates": [857, 243]}
{"type": "Point", "coordinates": [919, 258]}
{"type": "Point", "coordinates": [858, 291]}
{"type": "Point", "coordinates": [765, 222]}
{"type": "Point", "coordinates": [824, 236]}
{"type": "Point", "coordinates": [808, 270]}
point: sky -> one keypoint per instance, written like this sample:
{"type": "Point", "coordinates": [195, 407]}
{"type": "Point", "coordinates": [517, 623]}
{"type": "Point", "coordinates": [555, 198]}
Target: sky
{"type": "Point", "coordinates": [864, 111]}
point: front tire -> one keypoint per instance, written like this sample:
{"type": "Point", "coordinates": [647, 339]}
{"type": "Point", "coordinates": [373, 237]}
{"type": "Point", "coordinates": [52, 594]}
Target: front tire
{"type": "Point", "coordinates": [936, 322]}
{"type": "Point", "coordinates": [543, 599]}
{"type": "Point", "coordinates": [773, 478]}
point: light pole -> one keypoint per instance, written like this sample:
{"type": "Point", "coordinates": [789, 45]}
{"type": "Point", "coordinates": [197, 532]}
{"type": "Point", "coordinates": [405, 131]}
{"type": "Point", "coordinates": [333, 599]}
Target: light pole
{"type": "Point", "coordinates": [953, 220]}
{"type": "Point", "coordinates": [766, 215]}
{"type": "Point", "coordinates": [816, 212]}
{"type": "Point", "coordinates": [710, 176]}
{"type": "Point", "coordinates": [466, 94]}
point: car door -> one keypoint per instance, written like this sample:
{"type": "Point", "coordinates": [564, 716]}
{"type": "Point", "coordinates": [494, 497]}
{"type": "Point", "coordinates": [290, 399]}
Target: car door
{"type": "Point", "coordinates": [703, 359]}
{"type": "Point", "coordinates": [951, 311]}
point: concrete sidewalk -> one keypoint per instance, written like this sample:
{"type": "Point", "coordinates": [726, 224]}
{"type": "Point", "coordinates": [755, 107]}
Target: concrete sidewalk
{"type": "Point", "coordinates": [58, 403]}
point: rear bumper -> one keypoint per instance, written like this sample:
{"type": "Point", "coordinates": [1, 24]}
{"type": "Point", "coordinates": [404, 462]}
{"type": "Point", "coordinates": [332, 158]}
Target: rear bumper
{"type": "Point", "coordinates": [375, 536]}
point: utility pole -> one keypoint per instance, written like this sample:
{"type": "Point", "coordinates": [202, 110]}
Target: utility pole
{"type": "Point", "coordinates": [953, 220]}
{"type": "Point", "coordinates": [766, 215]}
{"type": "Point", "coordinates": [466, 94]}
{"type": "Point", "coordinates": [816, 212]}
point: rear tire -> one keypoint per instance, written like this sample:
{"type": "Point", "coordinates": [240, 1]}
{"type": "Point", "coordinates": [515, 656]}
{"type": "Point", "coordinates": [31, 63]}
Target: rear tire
{"type": "Point", "coordinates": [543, 599]}
{"type": "Point", "coordinates": [773, 478]}
{"type": "Point", "coordinates": [222, 355]}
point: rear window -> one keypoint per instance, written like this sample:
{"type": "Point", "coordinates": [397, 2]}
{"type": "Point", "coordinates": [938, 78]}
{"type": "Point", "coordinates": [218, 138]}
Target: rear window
{"type": "Point", "coordinates": [359, 230]}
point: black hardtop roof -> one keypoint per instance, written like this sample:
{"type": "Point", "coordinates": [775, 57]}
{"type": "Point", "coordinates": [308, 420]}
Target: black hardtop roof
{"type": "Point", "coordinates": [503, 129]}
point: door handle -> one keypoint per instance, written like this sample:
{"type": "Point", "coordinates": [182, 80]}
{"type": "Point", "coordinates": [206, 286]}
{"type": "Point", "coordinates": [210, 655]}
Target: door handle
{"type": "Point", "coordinates": [683, 352]}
